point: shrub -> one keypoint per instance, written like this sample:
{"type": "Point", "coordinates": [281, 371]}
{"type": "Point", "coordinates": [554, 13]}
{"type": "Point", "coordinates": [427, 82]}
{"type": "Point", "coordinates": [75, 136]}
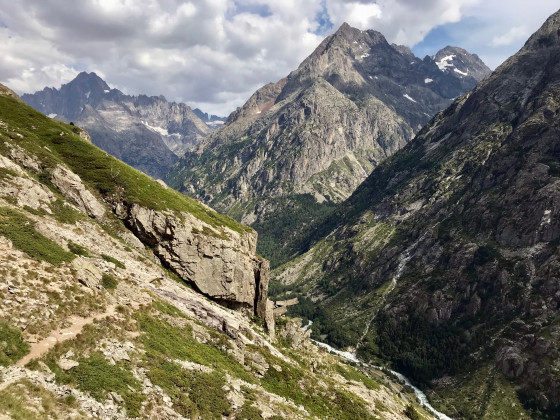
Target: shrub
{"type": "Point", "coordinates": [97, 376]}
{"type": "Point", "coordinates": [65, 213]}
{"type": "Point", "coordinates": [12, 346]}
{"type": "Point", "coordinates": [77, 249]}
{"type": "Point", "coordinates": [19, 229]}
{"type": "Point", "coordinates": [113, 260]}
{"type": "Point", "coordinates": [194, 394]}
{"type": "Point", "coordinates": [411, 413]}
{"type": "Point", "coordinates": [109, 282]}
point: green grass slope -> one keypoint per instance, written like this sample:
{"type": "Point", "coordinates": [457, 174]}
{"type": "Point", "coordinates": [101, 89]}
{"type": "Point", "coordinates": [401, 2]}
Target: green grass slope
{"type": "Point", "coordinates": [54, 142]}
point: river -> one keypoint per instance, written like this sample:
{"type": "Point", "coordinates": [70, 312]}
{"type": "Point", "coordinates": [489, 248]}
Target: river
{"type": "Point", "coordinates": [422, 398]}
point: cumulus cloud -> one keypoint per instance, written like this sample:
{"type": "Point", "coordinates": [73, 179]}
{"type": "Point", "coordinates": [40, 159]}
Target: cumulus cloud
{"type": "Point", "coordinates": [212, 53]}
{"type": "Point", "coordinates": [514, 34]}
{"type": "Point", "coordinates": [401, 21]}
{"type": "Point", "coordinates": [496, 32]}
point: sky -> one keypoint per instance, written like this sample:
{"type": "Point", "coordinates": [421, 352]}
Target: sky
{"type": "Point", "coordinates": [213, 54]}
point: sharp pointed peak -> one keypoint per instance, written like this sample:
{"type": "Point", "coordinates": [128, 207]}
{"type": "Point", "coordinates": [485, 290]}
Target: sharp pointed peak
{"type": "Point", "coordinates": [346, 30]}
{"type": "Point", "coordinates": [345, 26]}
{"type": "Point", "coordinates": [548, 35]}
{"type": "Point", "coordinates": [89, 79]}
{"type": "Point", "coordinates": [350, 33]}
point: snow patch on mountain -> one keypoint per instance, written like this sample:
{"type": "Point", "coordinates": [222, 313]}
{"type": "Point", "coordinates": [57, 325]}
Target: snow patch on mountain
{"type": "Point", "coordinates": [461, 72]}
{"type": "Point", "coordinates": [409, 98]}
{"type": "Point", "coordinates": [160, 130]}
{"type": "Point", "coordinates": [445, 62]}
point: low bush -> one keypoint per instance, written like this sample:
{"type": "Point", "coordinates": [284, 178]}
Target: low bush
{"type": "Point", "coordinates": [113, 260]}
{"type": "Point", "coordinates": [109, 282]}
{"type": "Point", "coordinates": [12, 346]}
{"type": "Point", "coordinates": [19, 229]}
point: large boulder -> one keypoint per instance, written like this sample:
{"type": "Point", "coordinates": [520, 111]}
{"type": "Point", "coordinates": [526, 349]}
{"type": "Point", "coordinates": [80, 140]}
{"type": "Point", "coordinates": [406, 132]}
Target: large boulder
{"type": "Point", "coordinates": [72, 188]}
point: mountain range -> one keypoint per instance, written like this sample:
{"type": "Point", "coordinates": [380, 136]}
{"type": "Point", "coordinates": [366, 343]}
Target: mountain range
{"type": "Point", "coordinates": [122, 298]}
{"type": "Point", "coordinates": [149, 133]}
{"type": "Point", "coordinates": [300, 145]}
{"type": "Point", "coordinates": [409, 207]}
{"type": "Point", "coordinates": [445, 260]}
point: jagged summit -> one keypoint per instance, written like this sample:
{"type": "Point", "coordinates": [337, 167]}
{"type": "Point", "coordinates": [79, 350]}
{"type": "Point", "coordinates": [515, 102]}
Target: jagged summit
{"type": "Point", "coordinates": [146, 132]}
{"type": "Point", "coordinates": [70, 100]}
{"type": "Point", "coordinates": [91, 79]}
{"type": "Point", "coordinates": [354, 34]}
{"type": "Point", "coordinates": [301, 144]}
{"type": "Point", "coordinates": [460, 62]}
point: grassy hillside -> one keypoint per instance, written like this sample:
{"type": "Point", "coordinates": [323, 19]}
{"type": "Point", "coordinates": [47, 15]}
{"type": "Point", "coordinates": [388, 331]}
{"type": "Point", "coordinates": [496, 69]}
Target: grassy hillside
{"type": "Point", "coordinates": [54, 142]}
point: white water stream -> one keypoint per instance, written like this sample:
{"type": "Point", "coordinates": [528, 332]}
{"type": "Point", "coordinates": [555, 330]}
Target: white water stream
{"type": "Point", "coordinates": [422, 398]}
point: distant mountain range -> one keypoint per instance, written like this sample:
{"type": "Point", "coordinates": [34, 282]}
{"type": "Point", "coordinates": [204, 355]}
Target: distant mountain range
{"type": "Point", "coordinates": [300, 145]}
{"type": "Point", "coordinates": [148, 133]}
{"type": "Point", "coordinates": [213, 121]}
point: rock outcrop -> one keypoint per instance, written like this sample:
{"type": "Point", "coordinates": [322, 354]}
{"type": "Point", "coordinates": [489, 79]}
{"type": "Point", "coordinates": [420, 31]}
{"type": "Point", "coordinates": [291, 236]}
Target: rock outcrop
{"type": "Point", "coordinates": [220, 263]}
{"type": "Point", "coordinates": [71, 187]}
{"type": "Point", "coordinates": [87, 274]}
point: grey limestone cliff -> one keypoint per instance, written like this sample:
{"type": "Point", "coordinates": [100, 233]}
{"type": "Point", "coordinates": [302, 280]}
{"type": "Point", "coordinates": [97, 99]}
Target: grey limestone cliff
{"type": "Point", "coordinates": [220, 263]}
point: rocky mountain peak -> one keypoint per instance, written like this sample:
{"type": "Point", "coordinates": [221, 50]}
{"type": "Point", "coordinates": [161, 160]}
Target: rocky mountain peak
{"type": "Point", "coordinates": [460, 63]}
{"type": "Point", "coordinates": [85, 79]}
{"type": "Point", "coordinates": [350, 34]}
{"type": "Point", "coordinates": [300, 145]}
{"type": "Point", "coordinates": [86, 88]}
{"type": "Point", "coordinates": [345, 30]}
{"type": "Point", "coordinates": [147, 132]}
{"type": "Point", "coordinates": [347, 41]}
{"type": "Point", "coordinates": [547, 36]}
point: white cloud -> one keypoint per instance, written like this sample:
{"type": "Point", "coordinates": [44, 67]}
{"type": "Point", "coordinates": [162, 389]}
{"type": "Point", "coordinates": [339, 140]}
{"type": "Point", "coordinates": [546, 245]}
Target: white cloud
{"type": "Point", "coordinates": [196, 51]}
{"type": "Point", "coordinates": [401, 21]}
{"type": "Point", "coordinates": [215, 53]}
{"type": "Point", "coordinates": [514, 34]}
{"type": "Point", "coordinates": [359, 15]}
{"type": "Point", "coordinates": [496, 32]}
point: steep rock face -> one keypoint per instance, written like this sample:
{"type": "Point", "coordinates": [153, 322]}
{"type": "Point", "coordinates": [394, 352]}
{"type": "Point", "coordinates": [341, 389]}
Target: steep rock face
{"type": "Point", "coordinates": [148, 133]}
{"type": "Point", "coordinates": [307, 141]}
{"type": "Point", "coordinates": [450, 247]}
{"type": "Point", "coordinates": [221, 265]}
{"type": "Point", "coordinates": [72, 188]}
